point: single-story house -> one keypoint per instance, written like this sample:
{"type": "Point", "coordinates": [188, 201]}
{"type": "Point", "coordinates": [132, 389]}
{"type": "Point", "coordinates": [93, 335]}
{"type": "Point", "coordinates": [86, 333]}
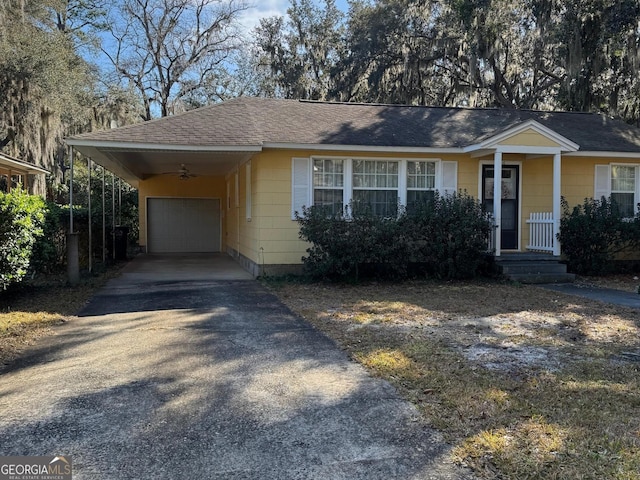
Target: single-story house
{"type": "Point", "coordinates": [230, 177]}
{"type": "Point", "coordinates": [14, 171]}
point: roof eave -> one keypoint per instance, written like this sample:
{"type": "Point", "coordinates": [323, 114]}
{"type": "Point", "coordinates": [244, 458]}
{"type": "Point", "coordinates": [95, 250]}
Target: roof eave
{"type": "Point", "coordinates": [116, 145]}
{"type": "Point", "coordinates": [607, 154]}
{"type": "Point", "coordinates": [22, 165]}
{"type": "Point", "coordinates": [324, 147]}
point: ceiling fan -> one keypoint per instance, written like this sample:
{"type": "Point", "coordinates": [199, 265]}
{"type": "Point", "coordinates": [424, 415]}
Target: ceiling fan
{"type": "Point", "coordinates": [183, 173]}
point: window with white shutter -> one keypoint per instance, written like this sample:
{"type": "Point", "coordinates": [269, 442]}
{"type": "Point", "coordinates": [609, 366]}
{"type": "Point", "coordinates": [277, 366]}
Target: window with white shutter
{"type": "Point", "coordinates": [301, 185]}
{"type": "Point", "coordinates": [380, 183]}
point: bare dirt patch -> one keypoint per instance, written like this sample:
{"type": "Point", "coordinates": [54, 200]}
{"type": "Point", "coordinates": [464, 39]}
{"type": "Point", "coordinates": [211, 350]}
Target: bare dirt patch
{"type": "Point", "coordinates": [526, 382]}
{"type": "Point", "coordinates": [31, 310]}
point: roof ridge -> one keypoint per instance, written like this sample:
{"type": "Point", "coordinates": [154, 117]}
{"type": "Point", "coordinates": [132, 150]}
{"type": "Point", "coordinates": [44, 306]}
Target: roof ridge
{"type": "Point", "coordinates": [443, 107]}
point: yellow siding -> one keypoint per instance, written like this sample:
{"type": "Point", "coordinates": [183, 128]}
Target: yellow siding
{"type": "Point", "coordinates": [578, 177]}
{"type": "Point", "coordinates": [468, 174]}
{"type": "Point", "coordinates": [536, 194]}
{"type": "Point", "coordinates": [270, 236]}
{"type": "Point", "coordinates": [172, 186]}
{"type": "Point", "coordinates": [277, 240]}
{"type": "Point", "coordinates": [529, 138]}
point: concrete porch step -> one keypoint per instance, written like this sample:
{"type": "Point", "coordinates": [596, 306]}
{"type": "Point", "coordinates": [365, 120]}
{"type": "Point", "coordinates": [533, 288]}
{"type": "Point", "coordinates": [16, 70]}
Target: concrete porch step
{"type": "Point", "coordinates": [534, 268]}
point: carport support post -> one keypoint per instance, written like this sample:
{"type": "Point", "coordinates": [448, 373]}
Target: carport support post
{"type": "Point", "coordinates": [119, 201]}
{"type": "Point", "coordinates": [113, 216]}
{"type": "Point", "coordinates": [89, 214]}
{"type": "Point", "coordinates": [73, 262]}
{"type": "Point", "coordinates": [104, 225]}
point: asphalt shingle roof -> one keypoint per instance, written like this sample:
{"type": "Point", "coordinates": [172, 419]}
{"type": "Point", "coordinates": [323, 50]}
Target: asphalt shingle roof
{"type": "Point", "coordinates": [249, 121]}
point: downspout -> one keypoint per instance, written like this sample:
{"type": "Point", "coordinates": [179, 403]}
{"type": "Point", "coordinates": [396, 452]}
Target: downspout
{"type": "Point", "coordinates": [73, 261]}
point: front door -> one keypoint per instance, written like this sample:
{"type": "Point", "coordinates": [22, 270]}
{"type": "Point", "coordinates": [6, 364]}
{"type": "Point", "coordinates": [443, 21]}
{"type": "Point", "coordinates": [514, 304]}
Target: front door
{"type": "Point", "coordinates": [509, 221]}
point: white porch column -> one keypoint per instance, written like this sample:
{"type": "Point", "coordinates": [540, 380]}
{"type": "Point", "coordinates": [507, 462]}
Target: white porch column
{"type": "Point", "coordinates": [557, 174]}
{"type": "Point", "coordinates": [497, 198]}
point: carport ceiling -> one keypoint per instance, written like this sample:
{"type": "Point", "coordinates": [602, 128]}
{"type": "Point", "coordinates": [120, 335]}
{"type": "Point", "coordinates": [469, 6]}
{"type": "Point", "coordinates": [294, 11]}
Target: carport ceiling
{"type": "Point", "coordinates": [134, 164]}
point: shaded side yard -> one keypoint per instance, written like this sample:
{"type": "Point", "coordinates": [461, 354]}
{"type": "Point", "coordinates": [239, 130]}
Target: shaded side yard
{"type": "Point", "coordinates": [524, 382]}
{"type": "Point", "coordinates": [29, 311]}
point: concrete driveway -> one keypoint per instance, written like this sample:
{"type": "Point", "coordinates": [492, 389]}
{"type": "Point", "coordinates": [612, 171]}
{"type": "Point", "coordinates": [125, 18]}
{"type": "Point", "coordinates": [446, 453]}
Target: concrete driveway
{"type": "Point", "coordinates": [170, 376]}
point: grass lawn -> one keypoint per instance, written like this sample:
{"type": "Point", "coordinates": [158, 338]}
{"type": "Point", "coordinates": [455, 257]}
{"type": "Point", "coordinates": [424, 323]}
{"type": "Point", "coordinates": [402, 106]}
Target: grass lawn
{"type": "Point", "coordinates": [30, 310]}
{"type": "Point", "coordinates": [525, 383]}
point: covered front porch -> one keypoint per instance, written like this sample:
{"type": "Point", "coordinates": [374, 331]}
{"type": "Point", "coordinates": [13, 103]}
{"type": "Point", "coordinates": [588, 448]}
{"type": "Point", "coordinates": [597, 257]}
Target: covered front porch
{"type": "Point", "coordinates": [524, 164]}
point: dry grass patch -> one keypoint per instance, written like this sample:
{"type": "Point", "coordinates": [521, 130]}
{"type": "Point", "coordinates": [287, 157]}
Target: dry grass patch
{"type": "Point", "coordinates": [524, 382]}
{"type": "Point", "coordinates": [30, 310]}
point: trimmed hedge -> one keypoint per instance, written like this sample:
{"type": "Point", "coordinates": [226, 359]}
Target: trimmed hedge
{"type": "Point", "coordinates": [445, 237]}
{"type": "Point", "coordinates": [592, 234]}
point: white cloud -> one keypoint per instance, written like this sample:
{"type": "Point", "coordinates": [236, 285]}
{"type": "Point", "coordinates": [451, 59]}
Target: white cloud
{"type": "Point", "coordinates": [258, 9]}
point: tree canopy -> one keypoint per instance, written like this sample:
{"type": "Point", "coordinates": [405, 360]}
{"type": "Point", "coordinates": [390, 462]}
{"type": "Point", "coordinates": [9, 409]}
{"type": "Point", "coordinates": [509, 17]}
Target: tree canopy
{"type": "Point", "coordinates": [535, 54]}
{"type": "Point", "coordinates": [162, 56]}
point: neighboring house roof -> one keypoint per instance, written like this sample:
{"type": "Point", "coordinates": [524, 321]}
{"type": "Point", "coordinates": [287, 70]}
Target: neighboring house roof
{"type": "Point", "coordinates": [259, 122]}
{"type": "Point", "coordinates": [19, 166]}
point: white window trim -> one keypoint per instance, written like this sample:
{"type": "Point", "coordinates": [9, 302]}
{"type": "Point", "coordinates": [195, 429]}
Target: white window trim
{"type": "Point", "coordinates": [402, 175]}
{"type": "Point", "coordinates": [636, 193]}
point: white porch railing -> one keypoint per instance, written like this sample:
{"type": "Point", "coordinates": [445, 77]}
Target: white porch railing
{"type": "Point", "coordinates": [540, 232]}
{"type": "Point", "coordinates": [491, 239]}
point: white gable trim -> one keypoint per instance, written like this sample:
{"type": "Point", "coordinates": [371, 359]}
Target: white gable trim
{"type": "Point", "coordinates": [565, 145]}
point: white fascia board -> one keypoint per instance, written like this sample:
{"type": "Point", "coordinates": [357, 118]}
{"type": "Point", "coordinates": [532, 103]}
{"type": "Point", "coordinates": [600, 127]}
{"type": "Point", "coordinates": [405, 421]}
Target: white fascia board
{"type": "Point", "coordinates": [565, 144]}
{"type": "Point", "coordinates": [20, 165]}
{"type": "Point", "coordinates": [603, 154]}
{"type": "Point", "coordinates": [161, 147]}
{"type": "Point", "coordinates": [360, 148]}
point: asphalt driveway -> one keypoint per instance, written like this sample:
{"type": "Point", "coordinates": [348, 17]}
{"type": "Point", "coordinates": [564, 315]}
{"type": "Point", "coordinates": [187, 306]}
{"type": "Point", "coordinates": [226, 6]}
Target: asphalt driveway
{"type": "Point", "coordinates": [168, 376]}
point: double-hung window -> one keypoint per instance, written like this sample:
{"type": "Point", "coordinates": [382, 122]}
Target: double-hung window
{"type": "Point", "coordinates": [421, 181]}
{"type": "Point", "coordinates": [375, 184]}
{"type": "Point", "coordinates": [620, 183]}
{"type": "Point", "coordinates": [328, 183]}
{"type": "Point", "coordinates": [624, 188]}
{"type": "Point", "coordinates": [378, 184]}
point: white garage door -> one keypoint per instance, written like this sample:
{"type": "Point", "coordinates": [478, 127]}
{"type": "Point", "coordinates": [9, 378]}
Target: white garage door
{"type": "Point", "coordinates": [183, 225]}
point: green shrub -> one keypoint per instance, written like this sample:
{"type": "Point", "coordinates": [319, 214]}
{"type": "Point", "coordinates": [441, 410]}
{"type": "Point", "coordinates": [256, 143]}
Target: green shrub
{"type": "Point", "coordinates": [21, 219]}
{"type": "Point", "coordinates": [446, 237]}
{"type": "Point", "coordinates": [449, 235]}
{"type": "Point", "coordinates": [342, 244]}
{"type": "Point", "coordinates": [593, 233]}
{"type": "Point", "coordinates": [49, 251]}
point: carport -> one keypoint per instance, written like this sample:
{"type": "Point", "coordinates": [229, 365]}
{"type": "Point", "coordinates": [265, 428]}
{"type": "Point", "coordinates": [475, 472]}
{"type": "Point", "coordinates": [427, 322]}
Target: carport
{"type": "Point", "coordinates": [185, 188]}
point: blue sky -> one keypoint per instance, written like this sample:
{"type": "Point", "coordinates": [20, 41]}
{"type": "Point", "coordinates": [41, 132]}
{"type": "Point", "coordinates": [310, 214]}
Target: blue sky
{"type": "Point", "coordinates": [269, 8]}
